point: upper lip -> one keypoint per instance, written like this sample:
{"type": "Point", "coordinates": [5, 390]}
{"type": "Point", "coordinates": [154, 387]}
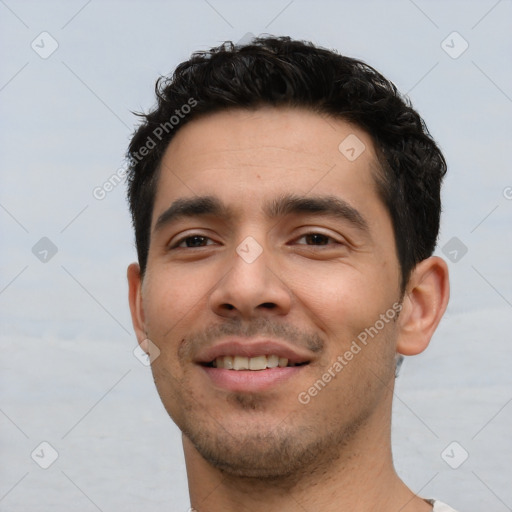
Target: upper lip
{"type": "Point", "coordinates": [239, 347]}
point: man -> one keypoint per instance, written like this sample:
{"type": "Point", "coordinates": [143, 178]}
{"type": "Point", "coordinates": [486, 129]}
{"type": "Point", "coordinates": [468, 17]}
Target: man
{"type": "Point", "coordinates": [286, 205]}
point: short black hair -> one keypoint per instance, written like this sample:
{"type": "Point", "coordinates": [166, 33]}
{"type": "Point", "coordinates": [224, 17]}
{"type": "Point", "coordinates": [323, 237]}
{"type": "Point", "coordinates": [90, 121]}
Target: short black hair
{"type": "Point", "coordinates": [279, 71]}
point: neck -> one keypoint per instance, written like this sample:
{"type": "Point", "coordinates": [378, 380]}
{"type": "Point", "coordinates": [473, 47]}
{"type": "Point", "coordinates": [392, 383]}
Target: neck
{"type": "Point", "coordinates": [360, 478]}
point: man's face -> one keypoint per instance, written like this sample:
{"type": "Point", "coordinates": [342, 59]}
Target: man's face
{"type": "Point", "coordinates": [271, 242]}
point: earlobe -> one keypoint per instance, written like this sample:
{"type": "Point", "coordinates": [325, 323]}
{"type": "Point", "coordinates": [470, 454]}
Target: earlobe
{"type": "Point", "coordinates": [424, 304]}
{"type": "Point", "coordinates": [135, 300]}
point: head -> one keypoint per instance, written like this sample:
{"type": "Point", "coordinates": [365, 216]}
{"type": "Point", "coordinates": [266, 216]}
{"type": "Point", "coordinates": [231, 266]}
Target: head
{"type": "Point", "coordinates": [286, 201]}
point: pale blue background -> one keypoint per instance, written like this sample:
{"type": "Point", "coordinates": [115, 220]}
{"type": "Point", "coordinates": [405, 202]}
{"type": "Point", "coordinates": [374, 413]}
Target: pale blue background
{"type": "Point", "coordinates": [68, 375]}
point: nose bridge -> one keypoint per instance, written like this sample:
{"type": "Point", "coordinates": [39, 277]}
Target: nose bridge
{"type": "Point", "coordinates": [249, 250]}
{"type": "Point", "coordinates": [250, 285]}
{"type": "Point", "coordinates": [249, 266]}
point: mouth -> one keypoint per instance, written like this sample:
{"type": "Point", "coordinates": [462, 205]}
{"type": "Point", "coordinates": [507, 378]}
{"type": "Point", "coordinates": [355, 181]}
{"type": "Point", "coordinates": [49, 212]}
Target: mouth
{"type": "Point", "coordinates": [257, 363]}
{"type": "Point", "coordinates": [252, 366]}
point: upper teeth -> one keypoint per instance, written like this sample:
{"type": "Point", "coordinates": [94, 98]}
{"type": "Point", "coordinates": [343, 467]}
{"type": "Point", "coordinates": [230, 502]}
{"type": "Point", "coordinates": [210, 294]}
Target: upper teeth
{"type": "Point", "coordinates": [250, 363]}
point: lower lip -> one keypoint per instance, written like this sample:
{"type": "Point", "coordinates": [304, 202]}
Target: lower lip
{"type": "Point", "coordinates": [250, 381]}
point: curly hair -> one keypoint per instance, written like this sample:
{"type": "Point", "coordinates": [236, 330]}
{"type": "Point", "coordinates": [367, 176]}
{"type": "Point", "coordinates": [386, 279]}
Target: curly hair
{"type": "Point", "coordinates": [279, 71]}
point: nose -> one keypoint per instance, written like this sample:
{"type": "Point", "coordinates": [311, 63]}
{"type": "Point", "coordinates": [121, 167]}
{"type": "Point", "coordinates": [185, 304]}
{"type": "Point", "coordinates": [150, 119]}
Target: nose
{"type": "Point", "coordinates": [251, 287]}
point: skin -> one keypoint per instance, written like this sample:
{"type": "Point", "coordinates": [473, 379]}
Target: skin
{"type": "Point", "coordinates": [245, 450]}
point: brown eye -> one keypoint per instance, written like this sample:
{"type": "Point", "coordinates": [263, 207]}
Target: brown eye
{"type": "Point", "coordinates": [317, 239]}
{"type": "Point", "coordinates": [196, 241]}
{"type": "Point", "coordinates": [193, 241]}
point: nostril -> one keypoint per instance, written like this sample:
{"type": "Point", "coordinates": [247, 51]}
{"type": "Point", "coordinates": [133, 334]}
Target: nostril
{"type": "Point", "coordinates": [268, 305]}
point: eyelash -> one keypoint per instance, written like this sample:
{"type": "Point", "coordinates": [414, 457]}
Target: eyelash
{"type": "Point", "coordinates": [177, 244]}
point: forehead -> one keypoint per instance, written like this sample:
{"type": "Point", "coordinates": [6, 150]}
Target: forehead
{"type": "Point", "coordinates": [249, 157]}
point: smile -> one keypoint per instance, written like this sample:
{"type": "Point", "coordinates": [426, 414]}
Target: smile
{"type": "Point", "coordinates": [251, 363]}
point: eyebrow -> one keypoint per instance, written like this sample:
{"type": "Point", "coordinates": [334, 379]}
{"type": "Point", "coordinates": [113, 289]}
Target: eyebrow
{"type": "Point", "coordinates": [192, 207]}
{"type": "Point", "coordinates": [323, 205]}
{"type": "Point", "coordinates": [288, 204]}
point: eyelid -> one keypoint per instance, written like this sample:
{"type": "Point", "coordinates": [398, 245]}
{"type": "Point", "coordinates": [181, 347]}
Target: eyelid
{"type": "Point", "coordinates": [317, 231]}
{"type": "Point", "coordinates": [177, 240]}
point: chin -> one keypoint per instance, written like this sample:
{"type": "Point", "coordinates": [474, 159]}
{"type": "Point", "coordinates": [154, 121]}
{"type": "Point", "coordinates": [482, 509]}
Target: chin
{"type": "Point", "coordinates": [253, 455]}
{"type": "Point", "coordinates": [283, 453]}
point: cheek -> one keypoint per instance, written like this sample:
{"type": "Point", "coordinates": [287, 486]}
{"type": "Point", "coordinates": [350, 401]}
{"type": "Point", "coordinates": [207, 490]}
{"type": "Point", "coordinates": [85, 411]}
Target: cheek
{"type": "Point", "coordinates": [341, 299]}
{"type": "Point", "coordinates": [171, 297]}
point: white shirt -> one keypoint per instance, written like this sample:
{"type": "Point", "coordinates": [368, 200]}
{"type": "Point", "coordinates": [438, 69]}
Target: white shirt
{"type": "Point", "coordinates": [441, 507]}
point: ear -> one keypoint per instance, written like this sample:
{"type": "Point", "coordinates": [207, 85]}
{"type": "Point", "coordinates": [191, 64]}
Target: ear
{"type": "Point", "coordinates": [424, 304]}
{"type": "Point", "coordinates": [135, 300]}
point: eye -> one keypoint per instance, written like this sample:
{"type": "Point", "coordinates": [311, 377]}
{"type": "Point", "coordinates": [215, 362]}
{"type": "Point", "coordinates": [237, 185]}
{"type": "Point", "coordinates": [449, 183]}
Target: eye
{"type": "Point", "coordinates": [316, 239]}
{"type": "Point", "coordinates": [192, 241]}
